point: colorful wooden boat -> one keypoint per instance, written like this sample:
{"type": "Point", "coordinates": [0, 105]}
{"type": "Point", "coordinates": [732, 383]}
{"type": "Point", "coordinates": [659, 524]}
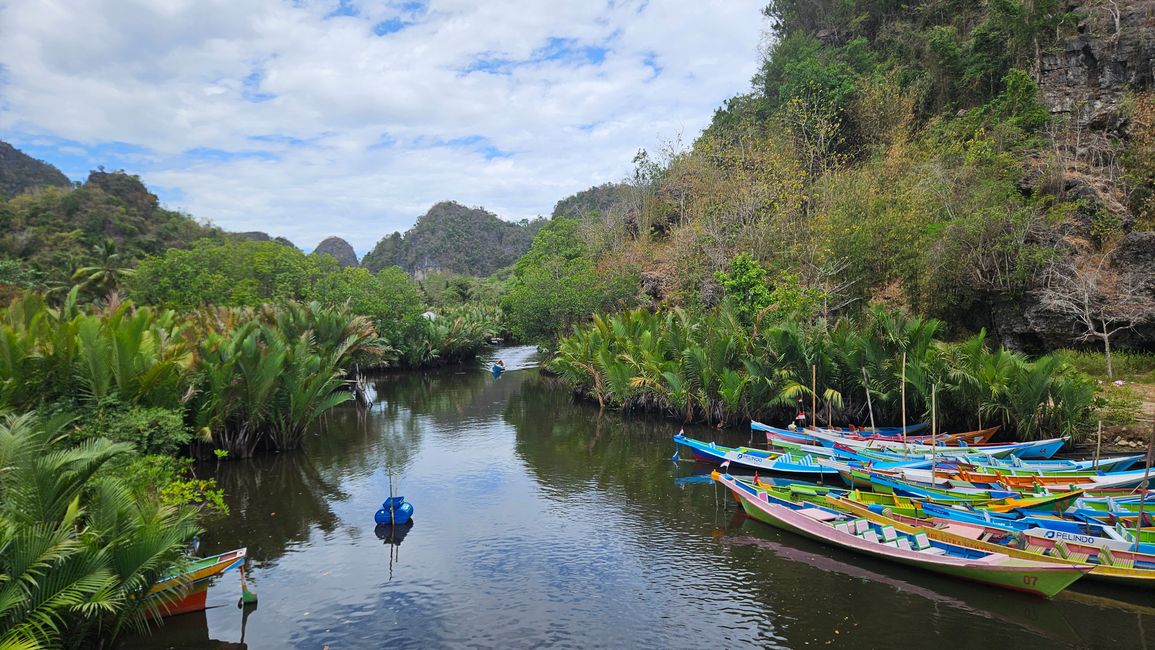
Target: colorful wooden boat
{"type": "Point", "coordinates": [884, 542]}
{"type": "Point", "coordinates": [1117, 566]}
{"type": "Point", "coordinates": [969, 438]}
{"type": "Point", "coordinates": [1050, 481]}
{"type": "Point", "coordinates": [186, 589]}
{"type": "Point", "coordinates": [1036, 449]}
{"type": "Point", "coordinates": [758, 459]}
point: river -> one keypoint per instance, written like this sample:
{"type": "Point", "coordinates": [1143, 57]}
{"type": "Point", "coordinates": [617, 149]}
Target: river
{"type": "Point", "coordinates": [539, 523]}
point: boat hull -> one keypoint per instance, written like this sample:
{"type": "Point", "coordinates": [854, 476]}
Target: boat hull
{"type": "Point", "coordinates": [1040, 578]}
{"type": "Point", "coordinates": [187, 590]}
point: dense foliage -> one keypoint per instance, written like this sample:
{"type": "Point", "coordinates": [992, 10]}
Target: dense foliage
{"type": "Point", "coordinates": [79, 548]}
{"type": "Point", "coordinates": [243, 378]}
{"type": "Point", "coordinates": [558, 283]}
{"type": "Point", "coordinates": [716, 369]}
{"type": "Point", "coordinates": [250, 274]}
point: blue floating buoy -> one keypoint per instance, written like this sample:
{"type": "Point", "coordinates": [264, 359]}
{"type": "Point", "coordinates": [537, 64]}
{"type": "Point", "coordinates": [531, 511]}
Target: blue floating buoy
{"type": "Point", "coordinates": [395, 510]}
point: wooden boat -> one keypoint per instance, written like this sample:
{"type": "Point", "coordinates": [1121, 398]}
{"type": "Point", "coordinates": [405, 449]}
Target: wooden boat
{"type": "Point", "coordinates": [1118, 566]}
{"type": "Point", "coordinates": [818, 494]}
{"type": "Point", "coordinates": [970, 438]}
{"type": "Point", "coordinates": [1049, 481]}
{"type": "Point", "coordinates": [758, 459]}
{"type": "Point", "coordinates": [966, 438]}
{"type": "Point", "coordinates": [186, 589]}
{"type": "Point", "coordinates": [1036, 449]}
{"type": "Point", "coordinates": [1117, 536]}
{"type": "Point", "coordinates": [1045, 578]}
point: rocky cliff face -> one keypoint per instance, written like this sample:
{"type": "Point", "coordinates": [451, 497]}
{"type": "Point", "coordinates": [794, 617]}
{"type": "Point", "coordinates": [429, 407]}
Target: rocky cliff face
{"type": "Point", "coordinates": [1089, 74]}
{"type": "Point", "coordinates": [338, 248]}
{"type": "Point", "coordinates": [1088, 77]}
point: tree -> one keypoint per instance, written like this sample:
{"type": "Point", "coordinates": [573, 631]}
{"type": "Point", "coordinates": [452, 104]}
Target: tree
{"type": "Point", "coordinates": [107, 274]}
{"type": "Point", "coordinates": [1099, 299]}
{"type": "Point", "coordinates": [557, 283]}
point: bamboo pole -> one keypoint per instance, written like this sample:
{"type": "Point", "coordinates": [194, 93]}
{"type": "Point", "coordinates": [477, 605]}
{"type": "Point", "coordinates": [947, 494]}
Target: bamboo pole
{"type": "Point", "coordinates": [933, 434]}
{"type": "Point", "coordinates": [904, 448]}
{"type": "Point", "coordinates": [1146, 486]}
{"type": "Point", "coordinates": [814, 395]}
{"type": "Point", "coordinates": [869, 406]}
{"type": "Point", "coordinates": [1098, 446]}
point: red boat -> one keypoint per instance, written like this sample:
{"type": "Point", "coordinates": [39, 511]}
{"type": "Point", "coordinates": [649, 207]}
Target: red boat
{"type": "Point", "coordinates": [186, 589]}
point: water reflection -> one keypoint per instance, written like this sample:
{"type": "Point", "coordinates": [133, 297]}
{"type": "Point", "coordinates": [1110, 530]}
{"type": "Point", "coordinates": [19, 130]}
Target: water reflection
{"type": "Point", "coordinates": [393, 535]}
{"type": "Point", "coordinates": [544, 523]}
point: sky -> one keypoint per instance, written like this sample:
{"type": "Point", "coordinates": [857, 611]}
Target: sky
{"type": "Point", "coordinates": [311, 118]}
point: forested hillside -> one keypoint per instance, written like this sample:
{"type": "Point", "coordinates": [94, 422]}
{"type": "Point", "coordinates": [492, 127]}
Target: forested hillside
{"type": "Point", "coordinates": [982, 163]}
{"type": "Point", "coordinates": [917, 195]}
{"type": "Point", "coordinates": [20, 172]}
{"type": "Point", "coordinates": [455, 239]}
{"type": "Point", "coordinates": [49, 235]}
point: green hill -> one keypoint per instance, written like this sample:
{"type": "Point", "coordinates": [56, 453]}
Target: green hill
{"type": "Point", "coordinates": [20, 172]}
{"type": "Point", "coordinates": [455, 239]}
{"type": "Point", "coordinates": [58, 229]}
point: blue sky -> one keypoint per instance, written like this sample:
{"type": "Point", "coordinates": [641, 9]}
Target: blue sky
{"type": "Point", "coordinates": [311, 118]}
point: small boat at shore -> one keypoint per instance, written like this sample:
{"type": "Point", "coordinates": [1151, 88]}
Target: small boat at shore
{"type": "Point", "coordinates": [858, 534]}
{"type": "Point", "coordinates": [757, 459]}
{"type": "Point", "coordinates": [970, 438]}
{"type": "Point", "coordinates": [186, 589]}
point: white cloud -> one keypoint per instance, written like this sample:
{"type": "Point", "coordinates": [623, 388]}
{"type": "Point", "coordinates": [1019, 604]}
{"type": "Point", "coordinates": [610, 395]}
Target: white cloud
{"type": "Point", "coordinates": [310, 126]}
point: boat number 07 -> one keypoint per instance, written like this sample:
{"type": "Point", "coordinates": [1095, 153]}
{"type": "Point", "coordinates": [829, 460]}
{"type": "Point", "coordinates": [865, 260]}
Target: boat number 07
{"type": "Point", "coordinates": [1030, 580]}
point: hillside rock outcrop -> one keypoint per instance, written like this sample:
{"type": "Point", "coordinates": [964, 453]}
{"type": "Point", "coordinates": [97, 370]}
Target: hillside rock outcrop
{"type": "Point", "coordinates": [338, 248]}
{"type": "Point", "coordinates": [1089, 74]}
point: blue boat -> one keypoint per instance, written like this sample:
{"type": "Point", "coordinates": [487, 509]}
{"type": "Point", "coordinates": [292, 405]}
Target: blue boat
{"type": "Point", "coordinates": [1023, 521]}
{"type": "Point", "coordinates": [757, 459]}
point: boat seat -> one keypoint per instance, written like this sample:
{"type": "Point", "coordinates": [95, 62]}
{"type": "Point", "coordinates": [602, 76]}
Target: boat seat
{"type": "Point", "coordinates": [861, 526]}
{"type": "Point", "coordinates": [817, 514]}
{"type": "Point", "coordinates": [933, 550]}
{"type": "Point", "coordinates": [870, 536]}
{"type": "Point", "coordinates": [1035, 548]}
{"type": "Point", "coordinates": [1066, 553]}
{"type": "Point", "coordinates": [1107, 557]}
{"type": "Point", "coordinates": [843, 527]}
{"type": "Point", "coordinates": [889, 534]}
{"type": "Point", "coordinates": [904, 544]}
{"type": "Point", "coordinates": [921, 542]}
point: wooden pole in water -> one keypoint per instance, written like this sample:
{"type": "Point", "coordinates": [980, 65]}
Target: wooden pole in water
{"type": "Point", "coordinates": [814, 395]}
{"type": "Point", "coordinates": [1146, 486]}
{"type": "Point", "coordinates": [933, 434]}
{"type": "Point", "coordinates": [904, 448]}
{"type": "Point", "coordinates": [869, 406]}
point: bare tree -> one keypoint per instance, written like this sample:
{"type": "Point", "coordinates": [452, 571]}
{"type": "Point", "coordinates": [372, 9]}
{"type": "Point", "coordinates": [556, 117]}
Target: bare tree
{"type": "Point", "coordinates": [1101, 300]}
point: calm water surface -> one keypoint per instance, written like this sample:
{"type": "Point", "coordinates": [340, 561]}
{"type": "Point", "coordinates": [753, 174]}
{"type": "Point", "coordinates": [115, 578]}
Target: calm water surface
{"type": "Point", "coordinates": [539, 523]}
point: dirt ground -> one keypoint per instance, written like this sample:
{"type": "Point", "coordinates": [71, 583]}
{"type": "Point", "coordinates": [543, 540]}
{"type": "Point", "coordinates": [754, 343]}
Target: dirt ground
{"type": "Point", "coordinates": [1134, 437]}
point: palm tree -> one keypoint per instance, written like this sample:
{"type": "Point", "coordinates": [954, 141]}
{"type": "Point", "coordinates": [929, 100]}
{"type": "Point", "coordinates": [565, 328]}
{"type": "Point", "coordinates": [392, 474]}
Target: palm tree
{"type": "Point", "coordinates": [79, 552]}
{"type": "Point", "coordinates": [107, 274]}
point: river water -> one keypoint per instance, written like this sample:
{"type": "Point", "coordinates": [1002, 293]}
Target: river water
{"type": "Point", "coordinates": [539, 523]}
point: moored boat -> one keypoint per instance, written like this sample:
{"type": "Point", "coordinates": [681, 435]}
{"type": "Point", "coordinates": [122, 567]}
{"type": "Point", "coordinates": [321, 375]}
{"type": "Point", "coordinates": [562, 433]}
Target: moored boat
{"type": "Point", "coordinates": [862, 536]}
{"type": "Point", "coordinates": [757, 459]}
{"type": "Point", "coordinates": [186, 588]}
{"type": "Point", "coordinates": [1117, 566]}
